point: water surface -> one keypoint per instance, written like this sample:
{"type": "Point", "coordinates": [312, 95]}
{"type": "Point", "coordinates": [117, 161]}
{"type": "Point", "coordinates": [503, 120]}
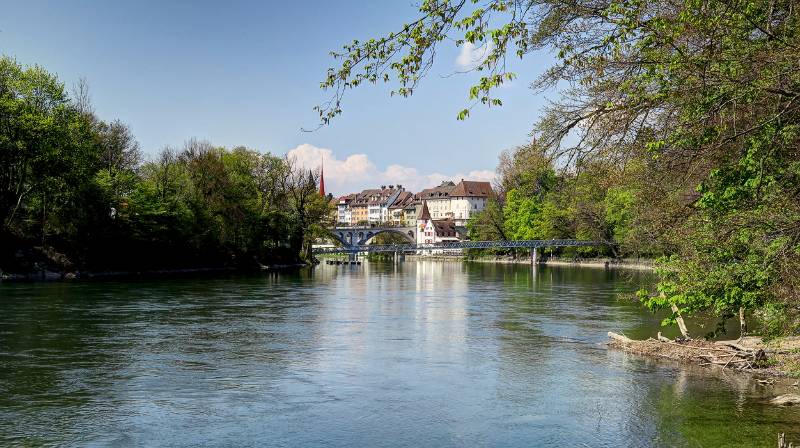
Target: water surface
{"type": "Point", "coordinates": [411, 354]}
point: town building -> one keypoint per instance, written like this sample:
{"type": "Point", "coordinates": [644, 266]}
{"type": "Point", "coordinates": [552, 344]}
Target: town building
{"type": "Point", "coordinates": [438, 199]}
{"type": "Point", "coordinates": [426, 232]}
{"type": "Point", "coordinates": [468, 198]}
{"type": "Point", "coordinates": [344, 213]}
{"type": "Point", "coordinates": [396, 212]}
{"type": "Point", "coordinates": [359, 214]}
{"type": "Point", "coordinates": [432, 231]}
{"type": "Point", "coordinates": [440, 213]}
{"type": "Point", "coordinates": [377, 203]}
{"type": "Point", "coordinates": [456, 201]}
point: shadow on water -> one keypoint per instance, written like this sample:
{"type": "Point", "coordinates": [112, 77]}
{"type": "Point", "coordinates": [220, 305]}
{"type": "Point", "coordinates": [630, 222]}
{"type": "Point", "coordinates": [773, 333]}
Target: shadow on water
{"type": "Point", "coordinates": [383, 354]}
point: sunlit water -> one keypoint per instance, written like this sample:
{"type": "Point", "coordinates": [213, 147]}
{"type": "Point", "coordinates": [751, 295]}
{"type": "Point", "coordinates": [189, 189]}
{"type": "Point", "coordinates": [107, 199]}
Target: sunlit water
{"type": "Point", "coordinates": [412, 354]}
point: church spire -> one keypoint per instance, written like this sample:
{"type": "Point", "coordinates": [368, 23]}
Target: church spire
{"type": "Point", "coordinates": [322, 179]}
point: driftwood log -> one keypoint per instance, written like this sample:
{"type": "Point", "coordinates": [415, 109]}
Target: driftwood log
{"type": "Point", "coordinates": [786, 400]}
{"type": "Point", "coordinates": [620, 338]}
{"type": "Point", "coordinates": [727, 354]}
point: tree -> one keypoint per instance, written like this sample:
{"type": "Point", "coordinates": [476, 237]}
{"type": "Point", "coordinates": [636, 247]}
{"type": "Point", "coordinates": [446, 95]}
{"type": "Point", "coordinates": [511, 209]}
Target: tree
{"type": "Point", "coordinates": [700, 98]}
{"type": "Point", "coordinates": [309, 210]}
{"type": "Point", "coordinates": [74, 192]}
{"type": "Point", "coordinates": [45, 148]}
{"type": "Point", "coordinates": [490, 223]}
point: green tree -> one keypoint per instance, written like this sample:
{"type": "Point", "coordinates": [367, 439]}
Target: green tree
{"type": "Point", "coordinates": [46, 153]}
{"type": "Point", "coordinates": [698, 98]}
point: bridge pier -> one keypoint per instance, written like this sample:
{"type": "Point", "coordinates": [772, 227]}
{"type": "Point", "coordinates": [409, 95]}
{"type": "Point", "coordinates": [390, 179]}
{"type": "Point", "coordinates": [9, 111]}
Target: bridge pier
{"type": "Point", "coordinates": [352, 256]}
{"type": "Point", "coordinates": [534, 257]}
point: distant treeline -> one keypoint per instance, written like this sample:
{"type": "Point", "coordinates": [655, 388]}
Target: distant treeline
{"type": "Point", "coordinates": [75, 192]}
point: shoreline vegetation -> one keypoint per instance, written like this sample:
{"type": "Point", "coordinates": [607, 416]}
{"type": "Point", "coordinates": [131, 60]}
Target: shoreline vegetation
{"type": "Point", "coordinates": [589, 262]}
{"type": "Point", "coordinates": [78, 197]}
{"type": "Point", "coordinates": [779, 357]}
{"type": "Point", "coordinates": [56, 276]}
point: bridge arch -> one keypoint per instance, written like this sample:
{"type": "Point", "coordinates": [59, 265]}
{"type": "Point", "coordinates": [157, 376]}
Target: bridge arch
{"type": "Point", "coordinates": [344, 237]}
{"type": "Point", "coordinates": [407, 234]}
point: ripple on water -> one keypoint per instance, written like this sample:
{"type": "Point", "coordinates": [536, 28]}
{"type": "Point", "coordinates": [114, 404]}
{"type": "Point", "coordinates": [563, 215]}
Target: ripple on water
{"type": "Point", "coordinates": [414, 354]}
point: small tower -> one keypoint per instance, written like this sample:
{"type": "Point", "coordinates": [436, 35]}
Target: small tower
{"type": "Point", "coordinates": [425, 231]}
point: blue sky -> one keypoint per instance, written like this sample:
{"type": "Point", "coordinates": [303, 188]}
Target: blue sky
{"type": "Point", "coordinates": [247, 73]}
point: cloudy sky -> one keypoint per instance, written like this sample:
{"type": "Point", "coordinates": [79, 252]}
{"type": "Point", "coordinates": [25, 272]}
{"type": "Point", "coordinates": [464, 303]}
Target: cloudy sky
{"type": "Point", "coordinates": [248, 73]}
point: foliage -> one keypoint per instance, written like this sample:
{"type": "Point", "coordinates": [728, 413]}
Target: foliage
{"type": "Point", "coordinates": [75, 193]}
{"type": "Point", "coordinates": [675, 131]}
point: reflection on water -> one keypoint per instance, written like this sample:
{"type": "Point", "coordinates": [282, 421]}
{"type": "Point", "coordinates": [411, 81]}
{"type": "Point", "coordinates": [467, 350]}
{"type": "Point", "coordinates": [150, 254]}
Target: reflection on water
{"type": "Point", "coordinates": [409, 354]}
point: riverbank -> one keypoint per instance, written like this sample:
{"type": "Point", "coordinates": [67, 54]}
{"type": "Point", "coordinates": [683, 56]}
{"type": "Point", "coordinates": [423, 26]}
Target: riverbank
{"type": "Point", "coordinates": [602, 263]}
{"type": "Point", "coordinates": [56, 276]}
{"type": "Point", "coordinates": [779, 357]}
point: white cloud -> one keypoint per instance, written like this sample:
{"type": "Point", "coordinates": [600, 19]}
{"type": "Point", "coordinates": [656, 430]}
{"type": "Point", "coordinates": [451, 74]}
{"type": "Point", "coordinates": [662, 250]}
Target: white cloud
{"type": "Point", "coordinates": [356, 172]}
{"type": "Point", "coordinates": [471, 56]}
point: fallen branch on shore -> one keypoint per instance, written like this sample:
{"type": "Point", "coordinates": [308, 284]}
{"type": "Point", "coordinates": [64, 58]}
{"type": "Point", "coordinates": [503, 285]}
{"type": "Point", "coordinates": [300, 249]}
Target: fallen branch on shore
{"type": "Point", "coordinates": [786, 400]}
{"type": "Point", "coordinates": [725, 354]}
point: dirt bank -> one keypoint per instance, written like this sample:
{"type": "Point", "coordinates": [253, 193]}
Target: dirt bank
{"type": "Point", "coordinates": [777, 358]}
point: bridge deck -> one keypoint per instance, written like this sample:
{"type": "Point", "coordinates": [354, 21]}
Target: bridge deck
{"type": "Point", "coordinates": [529, 244]}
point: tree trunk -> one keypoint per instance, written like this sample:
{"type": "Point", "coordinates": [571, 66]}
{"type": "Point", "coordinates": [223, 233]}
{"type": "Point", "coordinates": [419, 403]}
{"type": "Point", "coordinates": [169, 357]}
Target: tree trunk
{"type": "Point", "coordinates": [742, 323]}
{"type": "Point", "coordinates": [44, 217]}
{"type": "Point", "coordinates": [681, 323]}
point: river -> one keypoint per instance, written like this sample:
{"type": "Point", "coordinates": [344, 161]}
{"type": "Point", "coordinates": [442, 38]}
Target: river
{"type": "Point", "coordinates": [411, 354]}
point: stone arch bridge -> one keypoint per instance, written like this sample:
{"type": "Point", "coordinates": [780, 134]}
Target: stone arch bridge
{"type": "Point", "coordinates": [360, 236]}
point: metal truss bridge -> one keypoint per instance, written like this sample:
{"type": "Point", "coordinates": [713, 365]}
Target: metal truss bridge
{"type": "Point", "coordinates": [450, 245]}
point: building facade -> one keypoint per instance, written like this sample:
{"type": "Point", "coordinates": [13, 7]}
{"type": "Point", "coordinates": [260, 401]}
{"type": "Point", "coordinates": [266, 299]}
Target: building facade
{"type": "Point", "coordinates": [439, 213]}
{"type": "Point", "coordinates": [468, 198]}
{"type": "Point", "coordinates": [344, 214]}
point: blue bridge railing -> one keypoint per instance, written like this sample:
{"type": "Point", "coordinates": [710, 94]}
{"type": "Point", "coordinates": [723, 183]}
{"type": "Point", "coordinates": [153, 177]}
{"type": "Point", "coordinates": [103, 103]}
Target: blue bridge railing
{"type": "Point", "coordinates": [503, 244]}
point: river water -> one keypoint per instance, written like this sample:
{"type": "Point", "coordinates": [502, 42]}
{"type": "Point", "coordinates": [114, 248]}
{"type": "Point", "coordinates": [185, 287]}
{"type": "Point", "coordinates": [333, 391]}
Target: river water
{"type": "Point", "coordinates": [410, 354]}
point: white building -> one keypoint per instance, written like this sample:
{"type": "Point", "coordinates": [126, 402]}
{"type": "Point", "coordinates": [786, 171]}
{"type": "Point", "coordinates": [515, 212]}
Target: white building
{"type": "Point", "coordinates": [468, 198]}
{"type": "Point", "coordinates": [426, 232]}
{"type": "Point", "coordinates": [432, 231]}
{"type": "Point", "coordinates": [374, 211]}
{"type": "Point", "coordinates": [344, 214]}
{"type": "Point", "coordinates": [456, 201]}
{"type": "Point", "coordinates": [438, 199]}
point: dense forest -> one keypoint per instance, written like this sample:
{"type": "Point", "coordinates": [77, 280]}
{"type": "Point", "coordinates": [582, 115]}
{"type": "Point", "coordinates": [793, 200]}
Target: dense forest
{"type": "Point", "coordinates": [77, 194]}
{"type": "Point", "coordinates": [674, 132]}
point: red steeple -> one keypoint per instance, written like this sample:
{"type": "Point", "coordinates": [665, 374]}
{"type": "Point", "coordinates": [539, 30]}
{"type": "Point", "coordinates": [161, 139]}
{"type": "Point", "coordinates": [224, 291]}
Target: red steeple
{"type": "Point", "coordinates": [322, 180]}
{"type": "Point", "coordinates": [424, 214]}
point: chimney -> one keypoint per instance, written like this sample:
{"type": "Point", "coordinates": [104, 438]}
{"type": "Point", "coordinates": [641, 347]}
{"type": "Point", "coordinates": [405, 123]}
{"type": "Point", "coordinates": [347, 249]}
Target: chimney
{"type": "Point", "coordinates": [383, 187]}
{"type": "Point", "coordinates": [391, 187]}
